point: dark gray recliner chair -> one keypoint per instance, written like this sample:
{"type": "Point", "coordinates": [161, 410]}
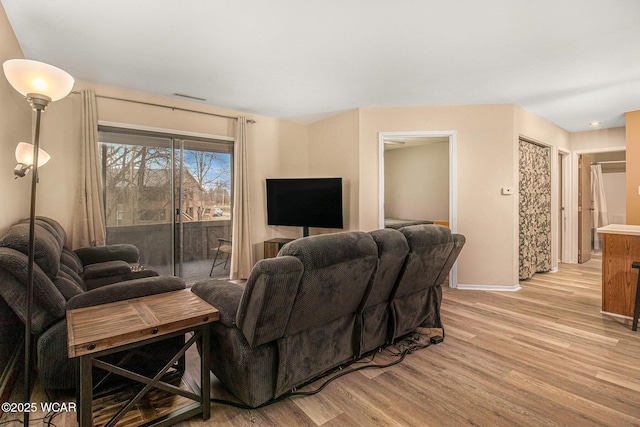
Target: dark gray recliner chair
{"type": "Point", "coordinates": [97, 265]}
{"type": "Point", "coordinates": [59, 286]}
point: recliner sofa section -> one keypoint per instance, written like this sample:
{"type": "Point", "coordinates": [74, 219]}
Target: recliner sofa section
{"type": "Point", "coordinates": [59, 286]}
{"type": "Point", "coordinates": [323, 302]}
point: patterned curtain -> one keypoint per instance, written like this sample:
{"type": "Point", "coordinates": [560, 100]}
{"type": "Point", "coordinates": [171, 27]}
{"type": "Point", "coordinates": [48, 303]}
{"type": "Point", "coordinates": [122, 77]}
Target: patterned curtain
{"type": "Point", "coordinates": [535, 209]}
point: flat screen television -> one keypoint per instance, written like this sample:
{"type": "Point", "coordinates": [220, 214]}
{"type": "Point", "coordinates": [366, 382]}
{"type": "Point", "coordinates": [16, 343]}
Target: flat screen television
{"type": "Point", "coordinates": [305, 202]}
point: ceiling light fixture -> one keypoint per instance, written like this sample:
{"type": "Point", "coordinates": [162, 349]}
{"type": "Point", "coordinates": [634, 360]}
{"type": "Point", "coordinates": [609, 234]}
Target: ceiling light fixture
{"type": "Point", "coordinates": [595, 124]}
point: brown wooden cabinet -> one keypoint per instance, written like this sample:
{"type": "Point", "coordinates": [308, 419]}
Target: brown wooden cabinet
{"type": "Point", "coordinates": [621, 248]}
{"type": "Point", "coordinates": [272, 246]}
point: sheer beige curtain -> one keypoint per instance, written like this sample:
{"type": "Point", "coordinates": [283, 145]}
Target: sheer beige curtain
{"type": "Point", "coordinates": [241, 253]}
{"type": "Point", "coordinates": [89, 219]}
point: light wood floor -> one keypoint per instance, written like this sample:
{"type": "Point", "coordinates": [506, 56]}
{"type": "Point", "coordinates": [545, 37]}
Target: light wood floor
{"type": "Point", "coordinates": [543, 356]}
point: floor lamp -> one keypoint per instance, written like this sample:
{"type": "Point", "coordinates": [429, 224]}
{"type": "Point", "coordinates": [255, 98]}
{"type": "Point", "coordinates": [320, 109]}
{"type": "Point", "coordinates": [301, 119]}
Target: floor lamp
{"type": "Point", "coordinates": [41, 84]}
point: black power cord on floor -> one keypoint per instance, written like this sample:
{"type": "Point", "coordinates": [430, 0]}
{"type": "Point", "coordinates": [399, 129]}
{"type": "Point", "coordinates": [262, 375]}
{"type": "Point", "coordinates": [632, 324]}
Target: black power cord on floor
{"type": "Point", "coordinates": [399, 349]}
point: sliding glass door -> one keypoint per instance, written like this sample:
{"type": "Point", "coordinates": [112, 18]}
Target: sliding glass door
{"type": "Point", "coordinates": [203, 195]}
{"type": "Point", "coordinates": [170, 196]}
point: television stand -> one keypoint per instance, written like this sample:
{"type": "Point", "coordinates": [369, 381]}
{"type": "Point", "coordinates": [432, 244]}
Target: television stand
{"type": "Point", "coordinates": [273, 246]}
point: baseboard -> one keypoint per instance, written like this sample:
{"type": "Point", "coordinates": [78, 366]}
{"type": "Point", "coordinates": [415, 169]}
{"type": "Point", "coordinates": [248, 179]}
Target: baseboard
{"type": "Point", "coordinates": [468, 287]}
{"type": "Point", "coordinates": [10, 373]}
{"type": "Point", "coordinates": [620, 316]}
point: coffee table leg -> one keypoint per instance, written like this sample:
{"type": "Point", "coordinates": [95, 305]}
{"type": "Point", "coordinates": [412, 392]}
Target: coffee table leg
{"type": "Point", "coordinates": [86, 392]}
{"type": "Point", "coordinates": [205, 376]}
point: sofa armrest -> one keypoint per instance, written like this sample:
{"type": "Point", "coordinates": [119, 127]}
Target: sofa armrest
{"type": "Point", "coordinates": [131, 275]}
{"type": "Point", "coordinates": [96, 254]}
{"type": "Point", "coordinates": [105, 269]}
{"type": "Point", "coordinates": [225, 296]}
{"type": "Point", "coordinates": [126, 290]}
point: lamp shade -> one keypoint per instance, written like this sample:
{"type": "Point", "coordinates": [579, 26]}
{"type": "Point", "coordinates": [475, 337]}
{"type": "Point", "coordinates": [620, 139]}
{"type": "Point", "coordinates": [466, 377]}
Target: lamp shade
{"type": "Point", "coordinates": [33, 77]}
{"type": "Point", "coordinates": [24, 154]}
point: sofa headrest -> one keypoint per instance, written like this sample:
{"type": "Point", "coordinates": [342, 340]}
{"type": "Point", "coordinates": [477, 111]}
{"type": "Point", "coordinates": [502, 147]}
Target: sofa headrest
{"type": "Point", "coordinates": [52, 226]}
{"type": "Point", "coordinates": [392, 252]}
{"type": "Point", "coordinates": [47, 248]}
{"type": "Point", "coordinates": [429, 249]}
{"type": "Point", "coordinates": [338, 269]}
{"type": "Point", "coordinates": [319, 251]}
{"type": "Point", "coordinates": [426, 235]}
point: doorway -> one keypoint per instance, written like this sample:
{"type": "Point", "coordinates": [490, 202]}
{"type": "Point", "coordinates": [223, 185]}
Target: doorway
{"type": "Point", "coordinates": [601, 185]}
{"type": "Point", "coordinates": [403, 190]}
{"type": "Point", "coordinates": [168, 195]}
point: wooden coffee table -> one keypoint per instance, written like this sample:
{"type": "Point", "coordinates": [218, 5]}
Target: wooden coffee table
{"type": "Point", "coordinates": [104, 329]}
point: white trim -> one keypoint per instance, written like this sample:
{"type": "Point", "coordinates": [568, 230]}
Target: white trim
{"type": "Point", "coordinates": [163, 130]}
{"type": "Point", "coordinates": [573, 218]}
{"type": "Point", "coordinates": [453, 180]}
{"type": "Point", "coordinates": [565, 256]}
{"type": "Point", "coordinates": [469, 287]}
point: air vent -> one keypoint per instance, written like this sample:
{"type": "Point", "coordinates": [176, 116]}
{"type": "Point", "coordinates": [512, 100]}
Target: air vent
{"type": "Point", "coordinates": [182, 95]}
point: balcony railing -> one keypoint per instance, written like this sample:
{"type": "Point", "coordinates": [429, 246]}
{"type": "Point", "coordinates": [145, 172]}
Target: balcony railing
{"type": "Point", "coordinates": [195, 244]}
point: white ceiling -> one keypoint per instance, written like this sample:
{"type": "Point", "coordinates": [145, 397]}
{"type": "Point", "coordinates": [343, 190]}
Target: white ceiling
{"type": "Point", "coordinates": [569, 61]}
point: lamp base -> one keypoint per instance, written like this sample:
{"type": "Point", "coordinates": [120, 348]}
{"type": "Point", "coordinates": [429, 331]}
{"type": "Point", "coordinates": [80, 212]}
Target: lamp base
{"type": "Point", "coordinates": [38, 101]}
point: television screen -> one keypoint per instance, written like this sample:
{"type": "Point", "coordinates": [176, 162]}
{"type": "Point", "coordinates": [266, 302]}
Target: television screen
{"type": "Point", "coordinates": [305, 202]}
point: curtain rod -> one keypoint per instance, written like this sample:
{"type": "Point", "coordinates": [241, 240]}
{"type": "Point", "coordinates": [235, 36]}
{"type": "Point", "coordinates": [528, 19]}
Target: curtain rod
{"type": "Point", "coordinates": [168, 106]}
{"type": "Point", "coordinates": [608, 162]}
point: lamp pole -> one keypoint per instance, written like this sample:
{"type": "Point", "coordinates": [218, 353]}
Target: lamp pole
{"type": "Point", "coordinates": [32, 240]}
{"type": "Point", "coordinates": [41, 84]}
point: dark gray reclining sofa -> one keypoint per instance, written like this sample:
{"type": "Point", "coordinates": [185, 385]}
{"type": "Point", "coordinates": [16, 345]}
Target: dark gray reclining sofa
{"type": "Point", "coordinates": [325, 301]}
{"type": "Point", "coordinates": [64, 280]}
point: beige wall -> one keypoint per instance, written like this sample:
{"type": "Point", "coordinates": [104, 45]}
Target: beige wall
{"type": "Point", "coordinates": [416, 182]}
{"type": "Point", "coordinates": [598, 139]}
{"type": "Point", "coordinates": [486, 138]}
{"type": "Point", "coordinates": [614, 190]}
{"type": "Point", "coordinates": [633, 167]}
{"type": "Point", "coordinates": [15, 126]}
{"type": "Point", "coordinates": [485, 163]}
{"type": "Point", "coordinates": [534, 128]}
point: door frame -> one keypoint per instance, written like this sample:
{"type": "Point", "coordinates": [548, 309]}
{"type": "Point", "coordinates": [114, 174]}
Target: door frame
{"type": "Point", "coordinates": [572, 225]}
{"type": "Point", "coordinates": [453, 179]}
{"type": "Point", "coordinates": [564, 233]}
